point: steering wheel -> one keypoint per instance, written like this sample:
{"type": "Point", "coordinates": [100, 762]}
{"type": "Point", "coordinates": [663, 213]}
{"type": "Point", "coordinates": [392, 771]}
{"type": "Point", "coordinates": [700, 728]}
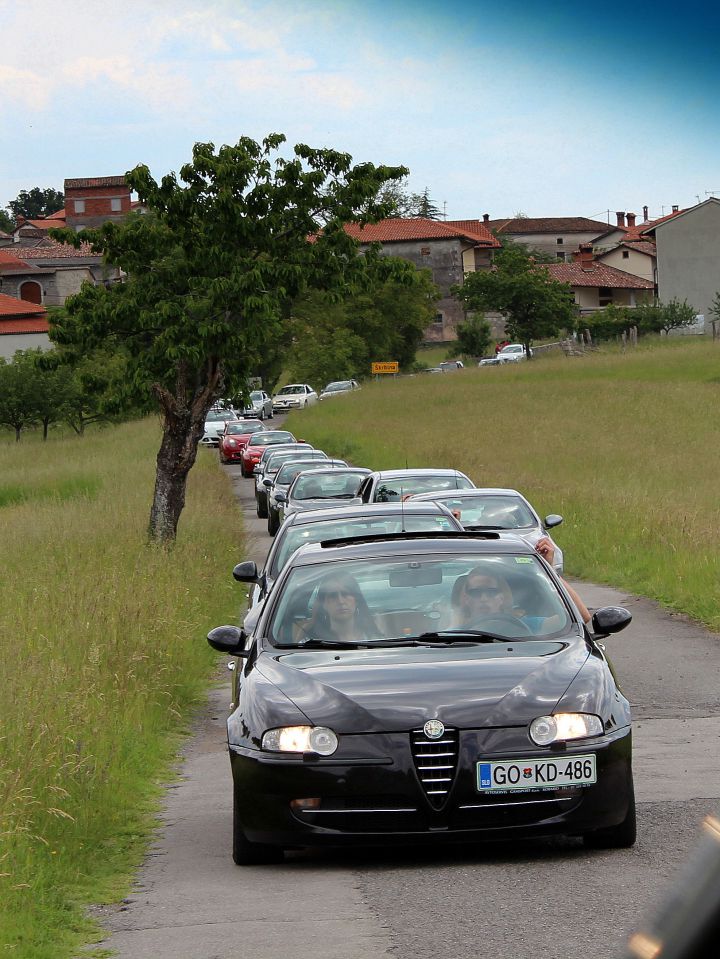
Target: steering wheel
{"type": "Point", "coordinates": [501, 622]}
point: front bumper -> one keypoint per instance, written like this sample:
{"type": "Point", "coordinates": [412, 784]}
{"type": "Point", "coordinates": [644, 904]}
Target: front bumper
{"type": "Point", "coordinates": [374, 794]}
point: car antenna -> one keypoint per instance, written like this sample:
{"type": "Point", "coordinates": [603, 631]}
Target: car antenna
{"type": "Point", "coordinates": [402, 509]}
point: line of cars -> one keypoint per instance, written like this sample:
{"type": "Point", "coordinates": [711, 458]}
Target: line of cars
{"type": "Point", "coordinates": [411, 669]}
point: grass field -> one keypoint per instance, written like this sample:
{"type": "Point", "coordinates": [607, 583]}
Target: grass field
{"type": "Point", "coordinates": [102, 659]}
{"type": "Point", "coordinates": [626, 446]}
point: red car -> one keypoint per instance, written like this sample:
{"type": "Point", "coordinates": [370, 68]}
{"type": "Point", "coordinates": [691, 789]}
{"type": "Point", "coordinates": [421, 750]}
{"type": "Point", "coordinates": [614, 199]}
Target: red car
{"type": "Point", "coordinates": [235, 438]}
{"type": "Point", "coordinates": [259, 442]}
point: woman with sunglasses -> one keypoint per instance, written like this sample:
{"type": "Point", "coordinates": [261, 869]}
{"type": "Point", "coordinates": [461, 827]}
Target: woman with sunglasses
{"type": "Point", "coordinates": [340, 612]}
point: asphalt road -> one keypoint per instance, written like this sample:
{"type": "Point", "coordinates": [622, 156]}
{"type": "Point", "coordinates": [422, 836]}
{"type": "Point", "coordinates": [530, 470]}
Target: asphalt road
{"type": "Point", "coordinates": [522, 900]}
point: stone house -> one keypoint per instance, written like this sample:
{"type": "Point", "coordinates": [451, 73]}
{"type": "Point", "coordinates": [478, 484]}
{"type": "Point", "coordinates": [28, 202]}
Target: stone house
{"type": "Point", "coordinates": [596, 285]}
{"type": "Point", "coordinates": [23, 326]}
{"type": "Point", "coordinates": [688, 258]}
{"type": "Point", "coordinates": [449, 249]}
{"type": "Point", "coordinates": [555, 235]}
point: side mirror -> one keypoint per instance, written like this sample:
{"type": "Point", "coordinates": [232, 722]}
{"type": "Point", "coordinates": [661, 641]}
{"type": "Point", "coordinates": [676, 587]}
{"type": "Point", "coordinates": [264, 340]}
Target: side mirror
{"type": "Point", "coordinates": [280, 497]}
{"type": "Point", "coordinates": [610, 619]}
{"type": "Point", "coordinates": [267, 483]}
{"type": "Point", "coordinates": [246, 572]}
{"type": "Point", "coordinates": [554, 519]}
{"type": "Point", "coordinates": [229, 640]}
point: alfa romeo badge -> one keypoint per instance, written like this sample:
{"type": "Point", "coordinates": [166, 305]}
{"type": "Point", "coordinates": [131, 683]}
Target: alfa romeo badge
{"type": "Point", "coordinates": [433, 729]}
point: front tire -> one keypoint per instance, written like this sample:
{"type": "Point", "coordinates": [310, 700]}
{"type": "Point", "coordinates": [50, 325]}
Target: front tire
{"type": "Point", "coordinates": [622, 836]}
{"type": "Point", "coordinates": [261, 507]}
{"type": "Point", "coordinates": [273, 522]}
{"type": "Point", "coordinates": [246, 853]}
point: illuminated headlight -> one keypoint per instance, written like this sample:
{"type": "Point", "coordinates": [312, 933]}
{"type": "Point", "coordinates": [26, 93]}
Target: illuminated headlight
{"type": "Point", "coordinates": [231, 442]}
{"type": "Point", "coordinates": [552, 729]}
{"type": "Point", "coordinates": [301, 739]}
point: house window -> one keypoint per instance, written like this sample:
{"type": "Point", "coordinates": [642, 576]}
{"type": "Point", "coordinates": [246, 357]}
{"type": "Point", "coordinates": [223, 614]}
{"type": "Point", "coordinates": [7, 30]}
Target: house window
{"type": "Point", "coordinates": [116, 204]}
{"type": "Point", "coordinates": [424, 251]}
{"type": "Point", "coordinates": [438, 321]}
{"type": "Point", "coordinates": [79, 206]}
{"type": "Point", "coordinates": [605, 296]}
{"type": "Point", "coordinates": [559, 241]}
{"type": "Point", "coordinates": [626, 254]}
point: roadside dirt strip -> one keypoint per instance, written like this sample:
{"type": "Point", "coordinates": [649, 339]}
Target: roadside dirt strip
{"type": "Point", "coordinates": [530, 899]}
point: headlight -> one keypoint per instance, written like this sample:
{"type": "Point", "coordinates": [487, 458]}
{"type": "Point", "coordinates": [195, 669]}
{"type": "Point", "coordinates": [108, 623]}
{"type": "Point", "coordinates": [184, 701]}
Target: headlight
{"type": "Point", "coordinates": [301, 739]}
{"type": "Point", "coordinates": [552, 729]}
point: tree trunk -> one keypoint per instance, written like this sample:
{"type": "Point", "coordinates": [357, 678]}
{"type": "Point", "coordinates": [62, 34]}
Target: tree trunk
{"type": "Point", "coordinates": [45, 423]}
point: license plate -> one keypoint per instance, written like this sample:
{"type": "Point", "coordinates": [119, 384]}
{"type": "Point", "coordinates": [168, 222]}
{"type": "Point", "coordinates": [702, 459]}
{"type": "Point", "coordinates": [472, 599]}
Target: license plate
{"type": "Point", "coordinates": [534, 774]}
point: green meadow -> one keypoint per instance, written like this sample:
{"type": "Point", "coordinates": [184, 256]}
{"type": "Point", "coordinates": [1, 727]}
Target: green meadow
{"type": "Point", "coordinates": [625, 445]}
{"type": "Point", "coordinates": [102, 663]}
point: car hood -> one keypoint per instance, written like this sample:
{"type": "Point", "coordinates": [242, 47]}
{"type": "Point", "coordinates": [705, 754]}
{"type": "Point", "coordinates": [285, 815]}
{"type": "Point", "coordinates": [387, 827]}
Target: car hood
{"type": "Point", "coordinates": [390, 690]}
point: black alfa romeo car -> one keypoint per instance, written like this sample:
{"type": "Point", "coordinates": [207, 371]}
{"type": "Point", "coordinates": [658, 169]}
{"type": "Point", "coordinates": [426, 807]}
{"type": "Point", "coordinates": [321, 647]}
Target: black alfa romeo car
{"type": "Point", "coordinates": [424, 687]}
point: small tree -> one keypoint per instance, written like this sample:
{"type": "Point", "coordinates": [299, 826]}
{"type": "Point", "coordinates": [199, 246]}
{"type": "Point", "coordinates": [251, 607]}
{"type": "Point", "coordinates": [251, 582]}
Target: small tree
{"type": "Point", "coordinates": [19, 384]}
{"type": "Point", "coordinates": [36, 203]}
{"type": "Point", "coordinates": [474, 336]}
{"type": "Point", "coordinates": [535, 305]}
{"type": "Point", "coordinates": [425, 206]}
{"type": "Point", "coordinates": [211, 270]}
{"type": "Point", "coordinates": [715, 309]}
{"type": "Point", "coordinates": [7, 224]}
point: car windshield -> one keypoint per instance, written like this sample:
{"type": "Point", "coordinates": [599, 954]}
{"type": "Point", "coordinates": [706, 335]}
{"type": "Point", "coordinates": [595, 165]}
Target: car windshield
{"type": "Point", "coordinates": [288, 471]}
{"type": "Point", "coordinates": [276, 460]}
{"type": "Point", "coordinates": [256, 395]}
{"type": "Point", "coordinates": [288, 390]}
{"type": "Point", "coordinates": [391, 490]}
{"type": "Point", "coordinates": [236, 429]}
{"type": "Point", "coordinates": [337, 387]}
{"type": "Point", "coordinates": [339, 485]}
{"type": "Point", "coordinates": [502, 512]}
{"type": "Point", "coordinates": [449, 598]}
{"type": "Point", "coordinates": [270, 439]}
{"type": "Point", "coordinates": [215, 416]}
{"type": "Point", "coordinates": [293, 537]}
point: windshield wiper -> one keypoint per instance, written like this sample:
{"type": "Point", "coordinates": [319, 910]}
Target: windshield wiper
{"type": "Point", "coordinates": [463, 635]}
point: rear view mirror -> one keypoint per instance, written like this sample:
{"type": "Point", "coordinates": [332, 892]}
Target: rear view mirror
{"type": "Point", "coordinates": [229, 640]}
{"type": "Point", "coordinates": [416, 576]}
{"type": "Point", "coordinates": [610, 619]}
{"type": "Point", "coordinates": [246, 572]}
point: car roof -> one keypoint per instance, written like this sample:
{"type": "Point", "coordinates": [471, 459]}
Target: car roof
{"type": "Point", "coordinates": [406, 544]}
{"type": "Point", "coordinates": [333, 471]}
{"type": "Point", "coordinates": [419, 471]}
{"type": "Point", "coordinates": [479, 491]}
{"type": "Point", "coordinates": [369, 510]}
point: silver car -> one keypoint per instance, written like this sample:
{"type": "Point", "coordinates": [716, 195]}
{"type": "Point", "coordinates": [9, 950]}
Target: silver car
{"type": "Point", "coordinates": [259, 405]}
{"type": "Point", "coordinates": [320, 489]}
{"type": "Point", "coordinates": [504, 510]}
{"type": "Point", "coordinates": [294, 396]}
{"type": "Point", "coordinates": [392, 486]}
{"type": "Point", "coordinates": [339, 388]}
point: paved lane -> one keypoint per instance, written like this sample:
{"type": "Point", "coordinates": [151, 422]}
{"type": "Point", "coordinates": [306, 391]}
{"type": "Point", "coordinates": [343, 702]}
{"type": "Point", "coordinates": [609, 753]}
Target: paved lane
{"type": "Point", "coordinates": [530, 899]}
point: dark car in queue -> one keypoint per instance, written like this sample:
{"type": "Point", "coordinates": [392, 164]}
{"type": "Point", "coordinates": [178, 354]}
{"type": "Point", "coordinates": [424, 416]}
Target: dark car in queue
{"type": "Point", "coordinates": [391, 486]}
{"type": "Point", "coordinates": [321, 489]}
{"type": "Point", "coordinates": [270, 462]}
{"type": "Point", "coordinates": [254, 450]}
{"type": "Point", "coordinates": [338, 522]}
{"type": "Point", "coordinates": [424, 688]}
{"type": "Point", "coordinates": [235, 438]}
{"type": "Point", "coordinates": [504, 510]}
{"type": "Point", "coordinates": [284, 479]}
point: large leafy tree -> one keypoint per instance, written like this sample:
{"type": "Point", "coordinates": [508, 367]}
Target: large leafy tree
{"type": "Point", "coordinates": [7, 225]}
{"type": "Point", "coordinates": [211, 270]}
{"type": "Point", "coordinates": [338, 340]}
{"type": "Point", "coordinates": [36, 203]}
{"type": "Point", "coordinates": [535, 305]}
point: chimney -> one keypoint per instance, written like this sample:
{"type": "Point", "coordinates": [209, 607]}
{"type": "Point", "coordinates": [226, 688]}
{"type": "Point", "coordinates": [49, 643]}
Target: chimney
{"type": "Point", "coordinates": [675, 208]}
{"type": "Point", "coordinates": [486, 217]}
{"type": "Point", "coordinates": [631, 220]}
{"type": "Point", "coordinates": [584, 256]}
{"type": "Point", "coordinates": [620, 218]}
{"type": "Point", "coordinates": [645, 214]}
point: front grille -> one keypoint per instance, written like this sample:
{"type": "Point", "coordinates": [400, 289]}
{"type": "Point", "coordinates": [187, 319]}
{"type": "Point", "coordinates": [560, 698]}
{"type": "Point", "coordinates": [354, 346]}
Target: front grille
{"type": "Point", "coordinates": [436, 763]}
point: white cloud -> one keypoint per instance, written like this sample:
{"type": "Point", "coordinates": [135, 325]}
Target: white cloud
{"type": "Point", "coordinates": [23, 87]}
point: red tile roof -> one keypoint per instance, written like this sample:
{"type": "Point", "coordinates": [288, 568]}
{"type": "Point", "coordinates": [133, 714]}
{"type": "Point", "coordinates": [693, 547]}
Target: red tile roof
{"type": "Point", "coordinates": [58, 215]}
{"type": "Point", "coordinates": [29, 325]}
{"type": "Point", "coordinates": [11, 306]}
{"type": "Point", "coordinates": [398, 229]}
{"type": "Point", "coordinates": [548, 224]}
{"type": "Point", "coordinates": [49, 249]}
{"type": "Point", "coordinates": [44, 223]}
{"type": "Point", "coordinates": [95, 181]}
{"type": "Point", "coordinates": [597, 274]}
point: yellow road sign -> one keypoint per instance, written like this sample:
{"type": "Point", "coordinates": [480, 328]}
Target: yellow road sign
{"type": "Point", "coordinates": [391, 366]}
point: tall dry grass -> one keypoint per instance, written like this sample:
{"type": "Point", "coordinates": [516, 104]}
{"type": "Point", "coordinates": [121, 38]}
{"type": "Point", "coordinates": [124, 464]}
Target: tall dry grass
{"type": "Point", "coordinates": [625, 445]}
{"type": "Point", "coordinates": [102, 659]}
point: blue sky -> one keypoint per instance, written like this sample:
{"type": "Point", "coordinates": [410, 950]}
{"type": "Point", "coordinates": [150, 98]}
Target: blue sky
{"type": "Point", "coordinates": [548, 109]}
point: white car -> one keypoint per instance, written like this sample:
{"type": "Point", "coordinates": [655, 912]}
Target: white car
{"type": "Point", "coordinates": [393, 486]}
{"type": "Point", "coordinates": [513, 353]}
{"type": "Point", "coordinates": [294, 396]}
{"type": "Point", "coordinates": [259, 405]}
{"type": "Point", "coordinates": [215, 426]}
{"type": "Point", "coordinates": [338, 388]}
